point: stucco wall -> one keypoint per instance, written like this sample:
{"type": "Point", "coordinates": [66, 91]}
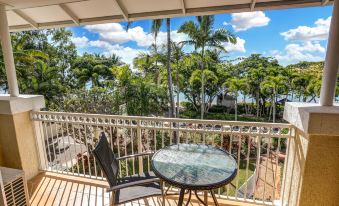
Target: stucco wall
{"type": "Point", "coordinates": [321, 172]}
{"type": "Point", "coordinates": [17, 143]}
{"type": "Point", "coordinates": [311, 174]}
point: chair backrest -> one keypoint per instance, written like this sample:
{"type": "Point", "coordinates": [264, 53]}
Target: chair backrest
{"type": "Point", "coordinates": [106, 160]}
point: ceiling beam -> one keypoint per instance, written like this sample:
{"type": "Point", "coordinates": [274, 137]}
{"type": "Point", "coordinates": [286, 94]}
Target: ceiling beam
{"type": "Point", "coordinates": [70, 13]}
{"type": "Point", "coordinates": [260, 6]}
{"type": "Point", "coordinates": [26, 18]}
{"type": "Point", "coordinates": [324, 2]}
{"type": "Point", "coordinates": [122, 9]}
{"type": "Point", "coordinates": [253, 4]}
{"type": "Point", "coordinates": [183, 6]}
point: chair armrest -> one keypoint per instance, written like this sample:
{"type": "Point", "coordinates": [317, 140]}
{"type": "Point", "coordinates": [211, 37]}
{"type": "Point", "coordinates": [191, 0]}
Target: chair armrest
{"type": "Point", "coordinates": [131, 184]}
{"type": "Point", "coordinates": [135, 155]}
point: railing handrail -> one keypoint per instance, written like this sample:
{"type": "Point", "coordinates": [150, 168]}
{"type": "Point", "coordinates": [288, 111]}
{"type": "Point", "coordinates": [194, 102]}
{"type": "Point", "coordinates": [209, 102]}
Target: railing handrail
{"type": "Point", "coordinates": [161, 119]}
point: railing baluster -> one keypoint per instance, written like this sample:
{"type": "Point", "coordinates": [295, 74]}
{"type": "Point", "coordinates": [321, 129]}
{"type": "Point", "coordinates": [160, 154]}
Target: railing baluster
{"type": "Point", "coordinates": [58, 141]}
{"type": "Point", "coordinates": [75, 148]}
{"type": "Point", "coordinates": [239, 150]}
{"type": "Point", "coordinates": [230, 151]}
{"type": "Point", "coordinates": [125, 144]}
{"type": "Point", "coordinates": [277, 153]}
{"type": "Point", "coordinates": [69, 142]}
{"type": "Point", "coordinates": [53, 147]}
{"type": "Point", "coordinates": [118, 145]}
{"type": "Point", "coordinates": [247, 163]}
{"type": "Point", "coordinates": [257, 164]}
{"type": "Point", "coordinates": [132, 145]}
{"type": "Point", "coordinates": [82, 152]}
{"type": "Point", "coordinates": [93, 139]}
{"type": "Point", "coordinates": [139, 135]}
{"type": "Point", "coordinates": [88, 153]}
{"type": "Point", "coordinates": [267, 160]}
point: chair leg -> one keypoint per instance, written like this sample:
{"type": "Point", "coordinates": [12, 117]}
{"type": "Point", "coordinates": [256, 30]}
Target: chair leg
{"type": "Point", "coordinates": [111, 199]}
{"type": "Point", "coordinates": [162, 192]}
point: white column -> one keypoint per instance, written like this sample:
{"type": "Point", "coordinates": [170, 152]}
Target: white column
{"type": "Point", "coordinates": [330, 72]}
{"type": "Point", "coordinates": [8, 53]}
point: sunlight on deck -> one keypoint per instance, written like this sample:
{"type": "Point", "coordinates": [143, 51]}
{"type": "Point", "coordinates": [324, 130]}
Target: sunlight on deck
{"type": "Point", "coordinates": [49, 189]}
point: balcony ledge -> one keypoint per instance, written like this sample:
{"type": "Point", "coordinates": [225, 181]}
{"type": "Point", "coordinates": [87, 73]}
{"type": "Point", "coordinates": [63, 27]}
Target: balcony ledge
{"type": "Point", "coordinates": [23, 103]}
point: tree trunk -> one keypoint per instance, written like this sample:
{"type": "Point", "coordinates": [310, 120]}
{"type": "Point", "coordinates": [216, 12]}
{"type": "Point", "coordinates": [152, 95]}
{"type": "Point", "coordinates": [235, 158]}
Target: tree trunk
{"type": "Point", "coordinates": [273, 106]}
{"type": "Point", "coordinates": [178, 92]}
{"type": "Point", "coordinates": [245, 105]}
{"type": "Point", "coordinates": [168, 67]}
{"type": "Point", "coordinates": [202, 85]}
{"type": "Point", "coordinates": [257, 102]}
{"type": "Point", "coordinates": [236, 108]}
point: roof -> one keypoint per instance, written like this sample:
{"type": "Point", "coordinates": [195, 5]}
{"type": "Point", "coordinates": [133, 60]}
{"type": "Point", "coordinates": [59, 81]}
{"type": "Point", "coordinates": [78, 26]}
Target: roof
{"type": "Point", "coordinates": [36, 14]}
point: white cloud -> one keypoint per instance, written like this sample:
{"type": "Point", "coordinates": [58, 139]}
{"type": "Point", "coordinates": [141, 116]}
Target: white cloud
{"type": "Point", "coordinates": [127, 54]}
{"type": "Point", "coordinates": [112, 35]}
{"type": "Point", "coordinates": [238, 47]}
{"type": "Point", "coordinates": [246, 20]}
{"type": "Point", "coordinates": [304, 33]}
{"type": "Point", "coordinates": [293, 53]}
{"type": "Point", "coordinates": [80, 41]}
{"type": "Point", "coordinates": [305, 47]}
{"type": "Point", "coordinates": [115, 33]}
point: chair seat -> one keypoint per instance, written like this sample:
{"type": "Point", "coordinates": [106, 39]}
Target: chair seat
{"type": "Point", "coordinates": [137, 177]}
{"type": "Point", "coordinates": [139, 191]}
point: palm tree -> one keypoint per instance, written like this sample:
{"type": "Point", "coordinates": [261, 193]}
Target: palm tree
{"type": "Point", "coordinates": [234, 85]}
{"type": "Point", "coordinates": [203, 36]}
{"type": "Point", "coordinates": [177, 56]}
{"type": "Point", "coordinates": [92, 68]}
{"type": "Point", "coordinates": [274, 85]}
{"type": "Point", "coordinates": [156, 24]}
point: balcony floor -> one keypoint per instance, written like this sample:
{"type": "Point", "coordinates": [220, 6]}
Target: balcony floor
{"type": "Point", "coordinates": [49, 189]}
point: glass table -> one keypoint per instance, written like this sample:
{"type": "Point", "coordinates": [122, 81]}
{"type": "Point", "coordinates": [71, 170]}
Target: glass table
{"type": "Point", "coordinates": [194, 167]}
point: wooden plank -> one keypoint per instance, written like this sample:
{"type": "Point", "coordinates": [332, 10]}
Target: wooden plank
{"type": "Point", "coordinates": [70, 13]}
{"type": "Point", "coordinates": [324, 2]}
{"type": "Point", "coordinates": [122, 9]}
{"type": "Point", "coordinates": [26, 18]}
{"type": "Point", "coordinates": [253, 4]}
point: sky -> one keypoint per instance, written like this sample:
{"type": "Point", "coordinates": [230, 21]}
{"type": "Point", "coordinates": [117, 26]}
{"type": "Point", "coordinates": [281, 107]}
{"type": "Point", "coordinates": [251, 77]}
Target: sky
{"type": "Point", "coordinates": [290, 36]}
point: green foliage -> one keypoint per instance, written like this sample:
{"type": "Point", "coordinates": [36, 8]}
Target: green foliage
{"type": "Point", "coordinates": [47, 63]}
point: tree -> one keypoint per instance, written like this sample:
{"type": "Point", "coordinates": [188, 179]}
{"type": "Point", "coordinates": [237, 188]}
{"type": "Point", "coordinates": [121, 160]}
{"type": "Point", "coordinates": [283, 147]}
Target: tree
{"type": "Point", "coordinates": [94, 69]}
{"type": "Point", "coordinates": [202, 36]}
{"type": "Point", "coordinates": [273, 86]}
{"type": "Point", "coordinates": [156, 24]}
{"type": "Point", "coordinates": [235, 85]}
{"type": "Point", "coordinates": [255, 69]}
{"type": "Point", "coordinates": [177, 57]}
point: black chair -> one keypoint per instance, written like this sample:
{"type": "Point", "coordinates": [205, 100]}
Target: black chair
{"type": "Point", "coordinates": [128, 188]}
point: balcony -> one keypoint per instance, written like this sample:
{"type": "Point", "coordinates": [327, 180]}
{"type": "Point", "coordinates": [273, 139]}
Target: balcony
{"type": "Point", "coordinates": [65, 142]}
{"type": "Point", "coordinates": [292, 164]}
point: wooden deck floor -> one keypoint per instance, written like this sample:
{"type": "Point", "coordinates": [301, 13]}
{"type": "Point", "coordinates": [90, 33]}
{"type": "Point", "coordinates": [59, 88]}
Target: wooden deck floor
{"type": "Point", "coordinates": [50, 189]}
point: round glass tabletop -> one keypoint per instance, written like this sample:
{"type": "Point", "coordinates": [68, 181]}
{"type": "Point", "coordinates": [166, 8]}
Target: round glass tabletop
{"type": "Point", "coordinates": [194, 166]}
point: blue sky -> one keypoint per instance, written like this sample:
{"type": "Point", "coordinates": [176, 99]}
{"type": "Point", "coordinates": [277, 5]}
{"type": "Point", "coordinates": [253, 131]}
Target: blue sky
{"type": "Point", "coordinates": [291, 35]}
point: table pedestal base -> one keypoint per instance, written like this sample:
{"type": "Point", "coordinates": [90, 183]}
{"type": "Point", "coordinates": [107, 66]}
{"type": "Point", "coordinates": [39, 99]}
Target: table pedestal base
{"type": "Point", "coordinates": [204, 202]}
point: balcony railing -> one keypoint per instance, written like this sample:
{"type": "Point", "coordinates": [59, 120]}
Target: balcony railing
{"type": "Point", "coordinates": [65, 142]}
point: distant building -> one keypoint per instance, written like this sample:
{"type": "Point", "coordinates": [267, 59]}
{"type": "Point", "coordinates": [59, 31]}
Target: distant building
{"type": "Point", "coordinates": [225, 100]}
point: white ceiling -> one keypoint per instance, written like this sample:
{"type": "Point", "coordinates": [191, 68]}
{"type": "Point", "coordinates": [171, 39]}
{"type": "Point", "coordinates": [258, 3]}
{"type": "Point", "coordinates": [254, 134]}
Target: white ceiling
{"type": "Point", "coordinates": [32, 14]}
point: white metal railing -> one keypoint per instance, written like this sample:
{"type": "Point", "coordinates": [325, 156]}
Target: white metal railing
{"type": "Point", "coordinates": [66, 140]}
